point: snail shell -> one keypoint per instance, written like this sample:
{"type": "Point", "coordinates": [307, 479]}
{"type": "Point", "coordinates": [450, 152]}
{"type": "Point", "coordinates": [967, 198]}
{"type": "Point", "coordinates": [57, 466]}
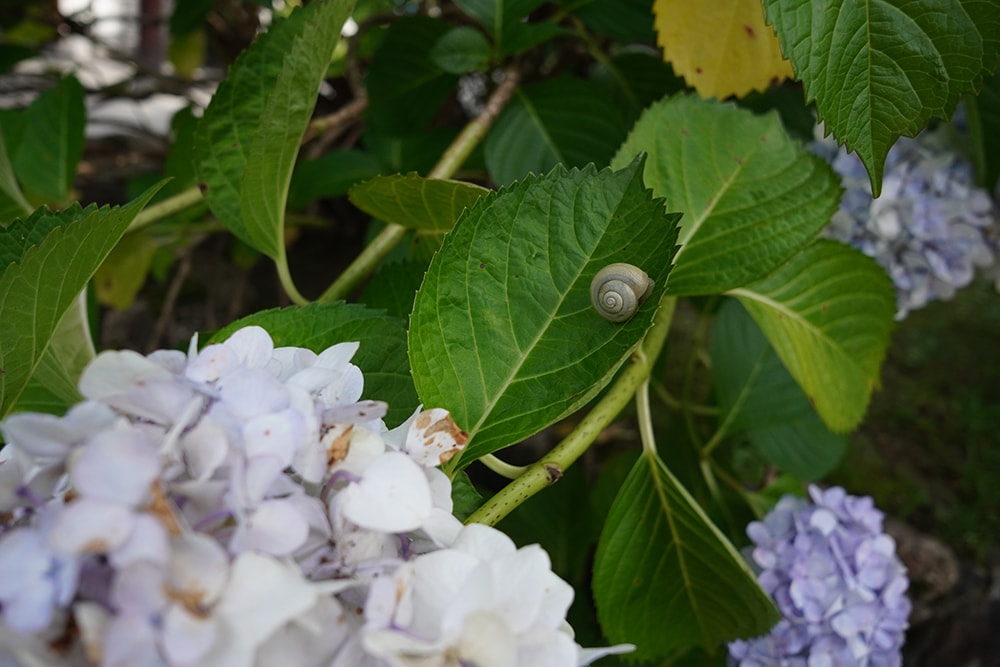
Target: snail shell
{"type": "Point", "coordinates": [617, 291]}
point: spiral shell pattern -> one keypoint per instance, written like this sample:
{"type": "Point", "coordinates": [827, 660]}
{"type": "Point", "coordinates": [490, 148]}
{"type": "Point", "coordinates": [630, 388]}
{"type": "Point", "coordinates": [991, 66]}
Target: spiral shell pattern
{"type": "Point", "coordinates": [617, 291]}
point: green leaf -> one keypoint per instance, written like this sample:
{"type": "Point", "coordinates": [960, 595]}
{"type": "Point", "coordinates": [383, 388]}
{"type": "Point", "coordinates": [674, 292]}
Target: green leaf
{"type": "Point", "coordinates": [502, 333]}
{"type": "Point", "coordinates": [25, 233]}
{"type": "Point", "coordinates": [188, 15]}
{"type": "Point", "coordinates": [665, 578]}
{"type": "Point", "coordinates": [497, 15]}
{"type": "Point", "coordinates": [465, 496]}
{"type": "Point", "coordinates": [636, 79]}
{"type": "Point", "coordinates": [381, 355]}
{"type": "Point", "coordinates": [879, 70]}
{"type": "Point", "coordinates": [394, 286]}
{"type": "Point", "coordinates": [51, 141]}
{"type": "Point", "coordinates": [124, 272]}
{"type": "Point", "coordinates": [248, 139]}
{"type": "Point", "coordinates": [418, 151]}
{"type": "Point", "coordinates": [828, 314]}
{"type": "Point", "coordinates": [179, 163]}
{"type": "Point", "coordinates": [330, 175]}
{"type": "Point", "coordinates": [558, 121]}
{"type": "Point", "coordinates": [405, 86]}
{"type": "Point", "coordinates": [415, 202]}
{"type": "Point", "coordinates": [275, 146]}
{"type": "Point", "coordinates": [13, 205]}
{"type": "Point", "coordinates": [461, 50]}
{"type": "Point", "coordinates": [53, 386]}
{"type": "Point", "coordinates": [12, 54]}
{"type": "Point", "coordinates": [31, 302]}
{"type": "Point", "coordinates": [984, 130]}
{"type": "Point", "coordinates": [752, 197]}
{"type": "Point", "coordinates": [503, 20]}
{"type": "Point", "coordinates": [624, 20]}
{"type": "Point", "coordinates": [759, 397]}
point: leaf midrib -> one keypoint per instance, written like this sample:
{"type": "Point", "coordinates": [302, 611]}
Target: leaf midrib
{"type": "Point", "coordinates": [796, 317]}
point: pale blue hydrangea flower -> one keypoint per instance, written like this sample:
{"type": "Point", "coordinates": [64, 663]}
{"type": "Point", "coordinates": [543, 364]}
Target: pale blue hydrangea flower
{"type": "Point", "coordinates": [836, 580]}
{"type": "Point", "coordinates": [931, 227]}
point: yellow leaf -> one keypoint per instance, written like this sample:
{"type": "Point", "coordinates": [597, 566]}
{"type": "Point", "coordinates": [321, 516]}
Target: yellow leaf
{"type": "Point", "coordinates": [720, 47]}
{"type": "Point", "coordinates": [187, 53]}
{"type": "Point", "coordinates": [124, 271]}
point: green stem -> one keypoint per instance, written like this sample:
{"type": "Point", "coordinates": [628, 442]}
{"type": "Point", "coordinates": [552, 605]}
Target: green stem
{"type": "Point", "coordinates": [467, 140]}
{"type": "Point", "coordinates": [166, 208]}
{"type": "Point", "coordinates": [645, 418]}
{"type": "Point", "coordinates": [364, 264]}
{"type": "Point", "coordinates": [550, 468]}
{"type": "Point", "coordinates": [502, 468]}
{"type": "Point", "coordinates": [723, 429]}
{"type": "Point", "coordinates": [675, 403]}
{"type": "Point", "coordinates": [735, 485]}
{"type": "Point", "coordinates": [285, 276]}
{"type": "Point", "coordinates": [697, 340]}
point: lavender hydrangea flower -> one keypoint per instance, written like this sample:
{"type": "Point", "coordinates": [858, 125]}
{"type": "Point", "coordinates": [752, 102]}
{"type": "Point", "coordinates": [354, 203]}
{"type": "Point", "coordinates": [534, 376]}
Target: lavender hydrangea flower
{"type": "Point", "coordinates": [930, 229]}
{"type": "Point", "coordinates": [241, 506]}
{"type": "Point", "coordinates": [836, 580]}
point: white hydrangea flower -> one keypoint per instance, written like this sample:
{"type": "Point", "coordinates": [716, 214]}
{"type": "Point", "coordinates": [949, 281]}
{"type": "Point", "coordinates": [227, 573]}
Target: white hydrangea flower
{"type": "Point", "coordinates": [241, 506]}
{"type": "Point", "coordinates": [482, 601]}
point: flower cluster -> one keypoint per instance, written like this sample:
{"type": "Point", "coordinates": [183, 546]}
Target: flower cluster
{"type": "Point", "coordinates": [929, 229]}
{"type": "Point", "coordinates": [241, 506]}
{"type": "Point", "coordinates": [837, 582]}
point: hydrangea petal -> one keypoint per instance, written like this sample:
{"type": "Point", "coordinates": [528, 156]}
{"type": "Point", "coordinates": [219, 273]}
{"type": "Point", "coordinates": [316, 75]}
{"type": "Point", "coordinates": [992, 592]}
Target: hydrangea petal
{"type": "Point", "coordinates": [392, 495]}
{"type": "Point", "coordinates": [91, 526]}
{"type": "Point", "coordinates": [198, 566]}
{"type": "Point", "coordinates": [261, 596]}
{"type": "Point", "coordinates": [186, 637]}
{"type": "Point", "coordinates": [130, 382]}
{"type": "Point", "coordinates": [117, 465]}
{"type": "Point", "coordinates": [434, 438]}
{"type": "Point", "coordinates": [275, 527]}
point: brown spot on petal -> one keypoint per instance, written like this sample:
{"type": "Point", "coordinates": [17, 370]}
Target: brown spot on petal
{"type": "Point", "coordinates": [340, 443]}
{"type": "Point", "coordinates": [446, 425]}
{"type": "Point", "coordinates": [161, 507]}
{"type": "Point", "coordinates": [448, 455]}
{"type": "Point", "coordinates": [192, 600]}
{"type": "Point", "coordinates": [751, 33]}
{"type": "Point", "coordinates": [423, 420]}
{"type": "Point", "coordinates": [95, 547]}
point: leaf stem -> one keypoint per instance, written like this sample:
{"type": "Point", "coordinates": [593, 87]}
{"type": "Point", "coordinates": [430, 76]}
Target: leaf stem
{"type": "Point", "coordinates": [697, 341]}
{"type": "Point", "coordinates": [550, 467]}
{"type": "Point", "coordinates": [364, 264]}
{"type": "Point", "coordinates": [675, 403]}
{"type": "Point", "coordinates": [508, 470]}
{"type": "Point", "coordinates": [166, 208]}
{"type": "Point", "coordinates": [645, 419]}
{"type": "Point", "coordinates": [285, 276]}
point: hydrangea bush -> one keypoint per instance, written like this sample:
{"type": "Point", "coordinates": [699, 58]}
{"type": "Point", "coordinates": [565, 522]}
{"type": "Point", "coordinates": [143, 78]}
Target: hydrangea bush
{"type": "Point", "coordinates": [931, 228]}
{"type": "Point", "coordinates": [837, 581]}
{"type": "Point", "coordinates": [240, 505]}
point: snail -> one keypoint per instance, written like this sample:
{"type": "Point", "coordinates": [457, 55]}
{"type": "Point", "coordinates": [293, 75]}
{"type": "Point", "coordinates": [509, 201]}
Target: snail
{"type": "Point", "coordinates": [618, 289]}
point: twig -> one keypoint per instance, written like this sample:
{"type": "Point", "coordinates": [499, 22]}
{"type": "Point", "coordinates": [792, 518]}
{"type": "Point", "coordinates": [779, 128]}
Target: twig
{"type": "Point", "coordinates": [170, 301]}
{"type": "Point", "coordinates": [325, 129]}
{"type": "Point", "coordinates": [165, 209]}
{"type": "Point", "coordinates": [364, 264]}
